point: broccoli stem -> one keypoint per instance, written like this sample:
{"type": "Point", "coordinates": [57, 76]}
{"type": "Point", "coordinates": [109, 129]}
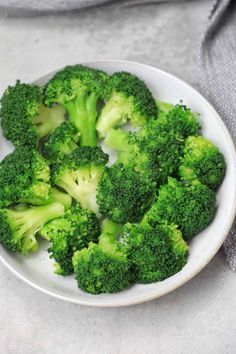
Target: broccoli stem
{"type": "Point", "coordinates": [83, 114]}
{"type": "Point", "coordinates": [112, 115]}
{"type": "Point", "coordinates": [60, 197]}
{"type": "Point", "coordinates": [117, 139]}
{"type": "Point", "coordinates": [27, 222]}
{"type": "Point", "coordinates": [108, 237]}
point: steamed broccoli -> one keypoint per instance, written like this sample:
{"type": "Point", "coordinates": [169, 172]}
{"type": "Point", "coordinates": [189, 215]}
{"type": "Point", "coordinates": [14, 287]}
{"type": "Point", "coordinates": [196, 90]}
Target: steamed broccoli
{"type": "Point", "coordinates": [190, 206]}
{"type": "Point", "coordinates": [24, 177]}
{"type": "Point", "coordinates": [79, 173]}
{"type": "Point", "coordinates": [68, 234]}
{"type": "Point", "coordinates": [129, 100]}
{"type": "Point", "coordinates": [156, 155]}
{"type": "Point", "coordinates": [102, 267]}
{"type": "Point", "coordinates": [203, 161]}
{"type": "Point", "coordinates": [24, 119]}
{"type": "Point", "coordinates": [179, 120]}
{"type": "Point", "coordinates": [56, 195]}
{"type": "Point", "coordinates": [18, 227]}
{"type": "Point", "coordinates": [78, 89]}
{"type": "Point", "coordinates": [124, 195]}
{"type": "Point", "coordinates": [61, 142]}
{"type": "Point", "coordinates": [154, 253]}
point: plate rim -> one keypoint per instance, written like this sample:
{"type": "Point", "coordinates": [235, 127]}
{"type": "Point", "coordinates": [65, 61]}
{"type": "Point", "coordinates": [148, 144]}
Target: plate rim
{"type": "Point", "coordinates": [143, 298]}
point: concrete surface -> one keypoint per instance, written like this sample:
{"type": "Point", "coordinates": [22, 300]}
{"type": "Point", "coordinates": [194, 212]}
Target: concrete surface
{"type": "Point", "coordinates": [198, 317]}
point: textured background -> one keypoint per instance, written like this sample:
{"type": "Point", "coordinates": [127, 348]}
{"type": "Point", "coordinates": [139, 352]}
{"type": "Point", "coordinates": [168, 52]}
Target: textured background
{"type": "Point", "coordinates": [197, 318]}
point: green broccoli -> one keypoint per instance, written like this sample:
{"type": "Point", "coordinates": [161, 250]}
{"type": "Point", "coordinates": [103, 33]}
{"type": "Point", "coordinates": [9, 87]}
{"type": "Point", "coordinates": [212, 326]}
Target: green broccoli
{"type": "Point", "coordinates": [154, 253]}
{"type": "Point", "coordinates": [156, 155]}
{"type": "Point", "coordinates": [103, 267]}
{"type": "Point", "coordinates": [24, 177]}
{"type": "Point", "coordinates": [129, 100]}
{"type": "Point", "coordinates": [18, 227]}
{"type": "Point", "coordinates": [61, 142]}
{"type": "Point", "coordinates": [179, 120]}
{"type": "Point", "coordinates": [78, 89]}
{"type": "Point", "coordinates": [79, 173]}
{"type": "Point", "coordinates": [24, 119]}
{"type": "Point", "coordinates": [190, 206]}
{"type": "Point", "coordinates": [124, 195]}
{"type": "Point", "coordinates": [57, 195]}
{"type": "Point", "coordinates": [70, 233]}
{"type": "Point", "coordinates": [203, 161]}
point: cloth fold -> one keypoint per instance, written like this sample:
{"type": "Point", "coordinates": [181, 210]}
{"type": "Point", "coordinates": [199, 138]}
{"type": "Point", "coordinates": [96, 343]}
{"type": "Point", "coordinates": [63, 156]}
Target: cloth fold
{"type": "Point", "coordinates": [217, 79]}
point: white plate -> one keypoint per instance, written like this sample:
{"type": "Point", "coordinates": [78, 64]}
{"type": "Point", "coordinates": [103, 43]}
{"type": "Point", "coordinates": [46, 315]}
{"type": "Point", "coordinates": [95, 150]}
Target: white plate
{"type": "Point", "coordinates": [37, 270]}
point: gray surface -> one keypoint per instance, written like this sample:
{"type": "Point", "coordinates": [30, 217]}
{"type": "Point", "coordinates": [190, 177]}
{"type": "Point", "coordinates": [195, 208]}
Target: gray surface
{"type": "Point", "coordinates": [197, 318]}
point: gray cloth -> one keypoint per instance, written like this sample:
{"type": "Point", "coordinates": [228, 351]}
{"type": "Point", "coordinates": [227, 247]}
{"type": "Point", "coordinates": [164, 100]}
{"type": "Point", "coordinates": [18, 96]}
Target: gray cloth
{"type": "Point", "coordinates": [217, 78]}
{"type": "Point", "coordinates": [217, 69]}
{"type": "Point", "coordinates": [42, 7]}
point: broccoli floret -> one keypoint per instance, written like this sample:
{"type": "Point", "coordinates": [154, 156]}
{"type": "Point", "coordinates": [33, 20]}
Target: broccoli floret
{"type": "Point", "coordinates": [24, 119]}
{"type": "Point", "coordinates": [102, 267]}
{"type": "Point", "coordinates": [61, 142]}
{"type": "Point", "coordinates": [163, 108]}
{"type": "Point", "coordinates": [68, 234]}
{"type": "Point", "coordinates": [190, 206]}
{"type": "Point", "coordinates": [18, 227]}
{"type": "Point", "coordinates": [157, 155]}
{"type": "Point", "coordinates": [129, 100]}
{"type": "Point", "coordinates": [179, 120]}
{"type": "Point", "coordinates": [124, 195]}
{"type": "Point", "coordinates": [24, 177]}
{"type": "Point", "coordinates": [203, 161]}
{"type": "Point", "coordinates": [154, 253]}
{"type": "Point", "coordinates": [79, 173]}
{"type": "Point", "coordinates": [78, 89]}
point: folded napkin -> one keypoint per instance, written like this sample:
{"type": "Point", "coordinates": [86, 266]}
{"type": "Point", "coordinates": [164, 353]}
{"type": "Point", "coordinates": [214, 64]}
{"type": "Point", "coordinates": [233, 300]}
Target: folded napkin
{"type": "Point", "coordinates": [217, 57]}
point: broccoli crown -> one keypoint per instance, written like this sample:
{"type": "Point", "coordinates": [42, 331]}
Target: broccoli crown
{"type": "Point", "coordinates": [156, 155]}
{"type": "Point", "coordinates": [102, 267]}
{"type": "Point", "coordinates": [154, 253]}
{"type": "Point", "coordinates": [61, 142]}
{"type": "Point", "coordinates": [68, 234]}
{"type": "Point", "coordinates": [78, 89]}
{"type": "Point", "coordinates": [179, 121]}
{"type": "Point", "coordinates": [79, 173]}
{"type": "Point", "coordinates": [123, 194]}
{"type": "Point", "coordinates": [190, 206]}
{"type": "Point", "coordinates": [24, 119]}
{"type": "Point", "coordinates": [24, 176]}
{"type": "Point", "coordinates": [203, 161]}
{"type": "Point", "coordinates": [130, 99]}
{"type": "Point", "coordinates": [19, 105]}
{"type": "Point", "coordinates": [18, 227]}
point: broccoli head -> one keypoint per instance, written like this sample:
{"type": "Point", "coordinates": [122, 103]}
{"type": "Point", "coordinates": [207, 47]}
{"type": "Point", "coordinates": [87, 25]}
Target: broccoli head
{"type": "Point", "coordinates": [24, 119]}
{"type": "Point", "coordinates": [18, 226]}
{"type": "Point", "coordinates": [203, 161]}
{"type": "Point", "coordinates": [190, 206]}
{"type": "Point", "coordinates": [129, 100]}
{"type": "Point", "coordinates": [61, 142]}
{"type": "Point", "coordinates": [179, 120]}
{"type": "Point", "coordinates": [78, 89]}
{"type": "Point", "coordinates": [154, 253]}
{"type": "Point", "coordinates": [156, 155]}
{"type": "Point", "coordinates": [124, 195]}
{"type": "Point", "coordinates": [70, 233]}
{"type": "Point", "coordinates": [24, 177]}
{"type": "Point", "coordinates": [79, 173]}
{"type": "Point", "coordinates": [102, 267]}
